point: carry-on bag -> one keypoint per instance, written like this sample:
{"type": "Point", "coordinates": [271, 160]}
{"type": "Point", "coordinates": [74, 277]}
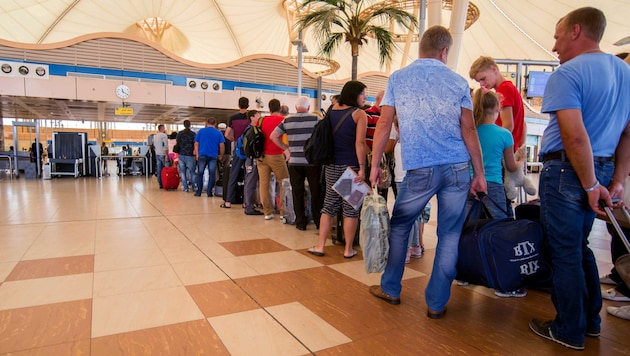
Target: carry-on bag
{"type": "Point", "coordinates": [622, 264]}
{"type": "Point", "coordinates": [500, 253]}
{"type": "Point", "coordinates": [170, 178]}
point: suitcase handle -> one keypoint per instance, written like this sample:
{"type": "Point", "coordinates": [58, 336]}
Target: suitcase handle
{"type": "Point", "coordinates": [615, 223]}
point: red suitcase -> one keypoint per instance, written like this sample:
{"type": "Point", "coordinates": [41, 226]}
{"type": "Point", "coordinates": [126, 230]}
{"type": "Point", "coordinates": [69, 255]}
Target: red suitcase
{"type": "Point", "coordinates": [170, 178]}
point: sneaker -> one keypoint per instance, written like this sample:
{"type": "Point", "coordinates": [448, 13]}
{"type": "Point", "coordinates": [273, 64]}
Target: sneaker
{"type": "Point", "coordinates": [408, 257]}
{"type": "Point", "coordinates": [269, 217]}
{"type": "Point", "coordinates": [283, 220]}
{"type": "Point", "coordinates": [519, 293]}
{"type": "Point", "coordinates": [620, 312]}
{"type": "Point", "coordinates": [612, 294]}
{"type": "Point", "coordinates": [416, 251]}
{"type": "Point", "coordinates": [185, 190]}
{"type": "Point", "coordinates": [607, 280]}
{"type": "Point", "coordinates": [543, 329]}
{"type": "Point", "coordinates": [462, 283]}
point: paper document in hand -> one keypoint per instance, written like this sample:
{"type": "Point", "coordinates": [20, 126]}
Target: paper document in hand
{"type": "Point", "coordinates": [351, 191]}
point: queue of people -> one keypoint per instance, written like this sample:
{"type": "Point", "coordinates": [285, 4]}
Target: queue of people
{"type": "Point", "coordinates": [454, 147]}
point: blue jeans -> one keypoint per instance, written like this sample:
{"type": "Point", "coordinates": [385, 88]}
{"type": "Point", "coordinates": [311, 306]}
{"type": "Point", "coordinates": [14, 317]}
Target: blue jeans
{"type": "Point", "coordinates": [496, 192]}
{"type": "Point", "coordinates": [451, 183]}
{"type": "Point", "coordinates": [161, 162]}
{"type": "Point", "coordinates": [186, 167]}
{"type": "Point", "coordinates": [567, 219]}
{"type": "Point", "coordinates": [202, 163]}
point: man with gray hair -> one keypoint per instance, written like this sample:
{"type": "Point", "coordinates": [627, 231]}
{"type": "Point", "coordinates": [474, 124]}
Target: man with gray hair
{"type": "Point", "coordinates": [299, 128]}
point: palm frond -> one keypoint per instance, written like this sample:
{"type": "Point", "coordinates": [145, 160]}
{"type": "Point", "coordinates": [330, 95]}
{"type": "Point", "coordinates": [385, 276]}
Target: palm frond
{"type": "Point", "coordinates": [331, 43]}
{"type": "Point", "coordinates": [400, 16]}
{"type": "Point", "coordinates": [385, 43]}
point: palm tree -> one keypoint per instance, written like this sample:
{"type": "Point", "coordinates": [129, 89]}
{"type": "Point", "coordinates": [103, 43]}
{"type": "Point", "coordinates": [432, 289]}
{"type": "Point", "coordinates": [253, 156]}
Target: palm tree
{"type": "Point", "coordinates": [354, 21]}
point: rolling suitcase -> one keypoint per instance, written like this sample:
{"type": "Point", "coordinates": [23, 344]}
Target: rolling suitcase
{"type": "Point", "coordinates": [170, 178]}
{"type": "Point", "coordinates": [622, 264]}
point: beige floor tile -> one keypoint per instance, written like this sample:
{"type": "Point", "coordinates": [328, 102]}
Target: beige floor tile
{"type": "Point", "coordinates": [298, 240]}
{"type": "Point", "coordinates": [235, 267]}
{"type": "Point", "coordinates": [31, 292]}
{"type": "Point", "coordinates": [212, 249]}
{"type": "Point", "coordinates": [6, 268]}
{"type": "Point", "coordinates": [255, 333]}
{"type": "Point", "coordinates": [106, 227]}
{"type": "Point", "coordinates": [12, 254]}
{"type": "Point", "coordinates": [128, 312]}
{"type": "Point", "coordinates": [356, 270]}
{"type": "Point", "coordinates": [60, 246]}
{"type": "Point", "coordinates": [183, 253]}
{"type": "Point", "coordinates": [197, 272]}
{"type": "Point", "coordinates": [122, 242]}
{"type": "Point", "coordinates": [309, 328]}
{"type": "Point", "coordinates": [128, 259]}
{"type": "Point", "coordinates": [134, 280]}
{"type": "Point", "coordinates": [20, 233]}
{"type": "Point", "coordinates": [279, 262]}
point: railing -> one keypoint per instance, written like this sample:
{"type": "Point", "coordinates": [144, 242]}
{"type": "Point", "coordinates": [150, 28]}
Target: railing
{"type": "Point", "coordinates": [10, 164]}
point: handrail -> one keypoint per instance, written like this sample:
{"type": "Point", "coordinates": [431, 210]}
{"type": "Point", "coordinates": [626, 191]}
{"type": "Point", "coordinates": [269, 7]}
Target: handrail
{"type": "Point", "coordinates": [10, 164]}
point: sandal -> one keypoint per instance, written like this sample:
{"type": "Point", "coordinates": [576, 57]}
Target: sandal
{"type": "Point", "coordinates": [225, 206]}
{"type": "Point", "coordinates": [313, 251]}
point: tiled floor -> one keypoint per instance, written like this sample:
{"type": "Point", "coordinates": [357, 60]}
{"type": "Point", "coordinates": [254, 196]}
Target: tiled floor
{"type": "Point", "coordinates": [119, 267]}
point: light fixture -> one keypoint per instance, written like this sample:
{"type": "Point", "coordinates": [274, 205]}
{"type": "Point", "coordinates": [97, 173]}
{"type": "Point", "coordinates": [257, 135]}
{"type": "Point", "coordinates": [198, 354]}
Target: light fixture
{"type": "Point", "coordinates": [6, 68]}
{"type": "Point", "coordinates": [204, 85]}
{"type": "Point", "coordinates": [23, 70]}
{"type": "Point", "coordinates": [40, 71]}
{"type": "Point", "coordinates": [192, 84]}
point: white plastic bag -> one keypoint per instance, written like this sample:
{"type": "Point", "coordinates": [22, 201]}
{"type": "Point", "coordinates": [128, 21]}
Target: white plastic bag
{"type": "Point", "coordinates": [374, 232]}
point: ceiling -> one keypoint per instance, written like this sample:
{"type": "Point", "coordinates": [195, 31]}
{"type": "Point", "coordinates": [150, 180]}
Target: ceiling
{"type": "Point", "coordinates": [221, 31]}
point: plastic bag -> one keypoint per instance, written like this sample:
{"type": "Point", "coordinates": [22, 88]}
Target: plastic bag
{"type": "Point", "coordinates": [374, 232]}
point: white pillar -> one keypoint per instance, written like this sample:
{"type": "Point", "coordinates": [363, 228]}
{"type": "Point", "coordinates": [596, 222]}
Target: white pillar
{"type": "Point", "coordinates": [434, 8]}
{"type": "Point", "coordinates": [458, 21]}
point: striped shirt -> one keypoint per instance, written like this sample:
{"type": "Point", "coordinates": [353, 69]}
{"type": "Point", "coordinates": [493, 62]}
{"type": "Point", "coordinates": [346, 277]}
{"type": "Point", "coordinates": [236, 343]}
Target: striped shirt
{"type": "Point", "coordinates": [299, 128]}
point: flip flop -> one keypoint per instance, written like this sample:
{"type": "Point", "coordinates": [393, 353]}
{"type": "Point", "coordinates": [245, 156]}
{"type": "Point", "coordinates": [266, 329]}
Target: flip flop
{"type": "Point", "coordinates": [315, 252]}
{"type": "Point", "coordinates": [354, 253]}
{"type": "Point", "coordinates": [225, 206]}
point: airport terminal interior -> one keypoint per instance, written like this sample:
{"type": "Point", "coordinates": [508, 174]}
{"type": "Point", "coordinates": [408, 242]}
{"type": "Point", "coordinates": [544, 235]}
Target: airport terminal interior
{"type": "Point", "coordinates": [97, 263]}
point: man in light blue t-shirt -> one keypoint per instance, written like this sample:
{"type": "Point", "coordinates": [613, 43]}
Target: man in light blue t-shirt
{"type": "Point", "coordinates": [587, 99]}
{"type": "Point", "coordinates": [438, 139]}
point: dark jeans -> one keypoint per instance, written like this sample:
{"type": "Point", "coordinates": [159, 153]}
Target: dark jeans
{"type": "Point", "coordinates": [567, 220]}
{"type": "Point", "coordinates": [235, 170]}
{"type": "Point", "coordinates": [297, 174]}
{"type": "Point", "coordinates": [618, 249]}
{"type": "Point", "coordinates": [202, 163]}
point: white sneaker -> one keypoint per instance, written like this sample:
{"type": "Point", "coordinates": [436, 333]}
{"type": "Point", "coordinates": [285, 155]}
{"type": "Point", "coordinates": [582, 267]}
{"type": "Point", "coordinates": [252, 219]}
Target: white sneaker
{"type": "Point", "coordinates": [269, 217]}
{"type": "Point", "coordinates": [611, 294]}
{"type": "Point", "coordinates": [408, 257]}
{"type": "Point", "coordinates": [462, 283]}
{"type": "Point", "coordinates": [283, 220]}
{"type": "Point", "coordinates": [416, 251]}
{"type": "Point", "coordinates": [620, 312]}
{"type": "Point", "coordinates": [519, 293]}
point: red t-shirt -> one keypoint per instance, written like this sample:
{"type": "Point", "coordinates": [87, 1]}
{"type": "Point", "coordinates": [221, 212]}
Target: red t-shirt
{"type": "Point", "coordinates": [510, 97]}
{"type": "Point", "coordinates": [269, 124]}
{"type": "Point", "coordinates": [373, 114]}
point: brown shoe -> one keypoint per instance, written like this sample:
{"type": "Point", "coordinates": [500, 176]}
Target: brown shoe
{"type": "Point", "coordinates": [436, 315]}
{"type": "Point", "coordinates": [378, 292]}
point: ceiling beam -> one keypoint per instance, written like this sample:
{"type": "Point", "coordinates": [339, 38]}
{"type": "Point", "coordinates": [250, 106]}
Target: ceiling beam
{"type": "Point", "coordinates": [23, 105]}
{"type": "Point", "coordinates": [62, 105]}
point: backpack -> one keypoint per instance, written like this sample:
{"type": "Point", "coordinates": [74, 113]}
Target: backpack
{"type": "Point", "coordinates": [254, 141]}
{"type": "Point", "coordinates": [240, 150]}
{"type": "Point", "coordinates": [319, 148]}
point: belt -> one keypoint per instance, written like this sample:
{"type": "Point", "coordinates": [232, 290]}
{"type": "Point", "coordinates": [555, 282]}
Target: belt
{"type": "Point", "coordinates": [561, 155]}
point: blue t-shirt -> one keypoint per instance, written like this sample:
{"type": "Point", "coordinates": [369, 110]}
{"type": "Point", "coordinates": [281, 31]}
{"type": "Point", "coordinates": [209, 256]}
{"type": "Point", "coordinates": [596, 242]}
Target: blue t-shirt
{"type": "Point", "coordinates": [597, 84]}
{"type": "Point", "coordinates": [209, 139]}
{"type": "Point", "coordinates": [494, 140]}
{"type": "Point", "coordinates": [429, 98]}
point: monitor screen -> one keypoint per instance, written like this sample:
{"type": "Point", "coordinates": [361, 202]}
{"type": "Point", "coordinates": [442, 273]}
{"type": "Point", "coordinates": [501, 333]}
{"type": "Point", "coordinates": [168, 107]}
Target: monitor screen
{"type": "Point", "coordinates": [536, 83]}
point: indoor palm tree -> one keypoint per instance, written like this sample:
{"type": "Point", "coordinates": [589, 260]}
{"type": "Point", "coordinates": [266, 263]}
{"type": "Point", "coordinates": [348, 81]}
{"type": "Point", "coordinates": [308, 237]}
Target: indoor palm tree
{"type": "Point", "coordinates": [354, 21]}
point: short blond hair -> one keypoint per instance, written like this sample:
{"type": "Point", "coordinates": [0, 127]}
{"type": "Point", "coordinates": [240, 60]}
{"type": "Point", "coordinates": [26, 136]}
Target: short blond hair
{"type": "Point", "coordinates": [480, 64]}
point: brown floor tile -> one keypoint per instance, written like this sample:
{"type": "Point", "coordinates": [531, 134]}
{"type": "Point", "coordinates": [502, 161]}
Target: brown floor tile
{"type": "Point", "coordinates": [45, 325]}
{"type": "Point", "coordinates": [281, 288]}
{"type": "Point", "coordinates": [190, 338]}
{"type": "Point", "coordinates": [52, 267]}
{"type": "Point", "coordinates": [253, 247]}
{"type": "Point", "coordinates": [220, 298]}
{"type": "Point", "coordinates": [77, 348]}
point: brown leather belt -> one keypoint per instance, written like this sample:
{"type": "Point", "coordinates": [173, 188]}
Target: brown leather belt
{"type": "Point", "coordinates": [561, 155]}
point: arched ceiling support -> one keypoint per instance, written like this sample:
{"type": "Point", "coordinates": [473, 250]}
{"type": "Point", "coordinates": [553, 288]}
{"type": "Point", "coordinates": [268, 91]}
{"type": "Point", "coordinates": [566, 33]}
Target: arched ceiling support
{"type": "Point", "coordinates": [57, 20]}
{"type": "Point", "coordinates": [229, 28]}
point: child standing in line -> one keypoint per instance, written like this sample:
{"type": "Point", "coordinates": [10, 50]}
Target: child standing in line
{"type": "Point", "coordinates": [496, 145]}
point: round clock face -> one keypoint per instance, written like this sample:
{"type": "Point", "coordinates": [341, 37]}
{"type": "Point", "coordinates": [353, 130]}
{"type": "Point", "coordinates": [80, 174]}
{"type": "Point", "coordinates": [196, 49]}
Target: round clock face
{"type": "Point", "coordinates": [123, 91]}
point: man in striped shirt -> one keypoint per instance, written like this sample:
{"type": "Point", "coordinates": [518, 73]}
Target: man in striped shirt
{"type": "Point", "coordinates": [299, 128]}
